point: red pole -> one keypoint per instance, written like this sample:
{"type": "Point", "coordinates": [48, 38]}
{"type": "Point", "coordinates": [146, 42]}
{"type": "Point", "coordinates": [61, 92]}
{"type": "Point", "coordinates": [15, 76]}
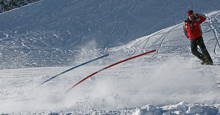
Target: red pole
{"type": "Point", "coordinates": [109, 67]}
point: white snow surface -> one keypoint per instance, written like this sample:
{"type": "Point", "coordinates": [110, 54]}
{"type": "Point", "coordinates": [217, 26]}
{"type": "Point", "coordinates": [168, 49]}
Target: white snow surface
{"type": "Point", "coordinates": [46, 38]}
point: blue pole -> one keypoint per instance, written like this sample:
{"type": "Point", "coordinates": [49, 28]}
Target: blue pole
{"type": "Point", "coordinates": [71, 69]}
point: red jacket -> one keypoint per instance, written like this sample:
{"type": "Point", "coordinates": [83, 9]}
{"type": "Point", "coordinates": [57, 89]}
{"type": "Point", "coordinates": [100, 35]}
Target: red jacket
{"type": "Point", "coordinates": [192, 29]}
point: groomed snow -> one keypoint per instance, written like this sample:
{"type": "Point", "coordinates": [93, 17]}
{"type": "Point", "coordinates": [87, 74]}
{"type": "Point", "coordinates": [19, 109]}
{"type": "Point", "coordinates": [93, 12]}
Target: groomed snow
{"type": "Point", "coordinates": [170, 81]}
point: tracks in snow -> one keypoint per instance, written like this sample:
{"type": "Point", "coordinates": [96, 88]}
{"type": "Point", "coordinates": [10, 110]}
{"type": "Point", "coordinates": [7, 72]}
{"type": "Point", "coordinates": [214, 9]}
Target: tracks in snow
{"type": "Point", "coordinates": [215, 27]}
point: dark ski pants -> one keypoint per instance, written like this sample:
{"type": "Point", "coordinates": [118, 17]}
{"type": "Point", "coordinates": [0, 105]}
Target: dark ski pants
{"type": "Point", "coordinates": [204, 56]}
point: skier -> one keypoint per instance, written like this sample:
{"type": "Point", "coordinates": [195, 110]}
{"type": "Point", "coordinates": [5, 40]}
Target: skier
{"type": "Point", "coordinates": [193, 32]}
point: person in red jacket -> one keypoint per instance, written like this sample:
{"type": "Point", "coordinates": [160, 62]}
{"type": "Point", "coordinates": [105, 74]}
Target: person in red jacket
{"type": "Point", "coordinates": [193, 32]}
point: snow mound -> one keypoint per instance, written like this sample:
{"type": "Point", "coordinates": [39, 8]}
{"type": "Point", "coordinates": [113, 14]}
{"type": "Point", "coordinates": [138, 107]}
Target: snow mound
{"type": "Point", "coordinates": [181, 108]}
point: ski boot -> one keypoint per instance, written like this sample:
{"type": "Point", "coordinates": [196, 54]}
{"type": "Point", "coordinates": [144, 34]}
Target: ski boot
{"type": "Point", "coordinates": [203, 63]}
{"type": "Point", "coordinates": [208, 63]}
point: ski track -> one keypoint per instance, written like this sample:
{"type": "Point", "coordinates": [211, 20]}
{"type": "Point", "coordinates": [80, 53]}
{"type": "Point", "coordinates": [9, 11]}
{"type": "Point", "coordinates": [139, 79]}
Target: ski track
{"type": "Point", "coordinates": [163, 39]}
{"type": "Point", "coordinates": [214, 29]}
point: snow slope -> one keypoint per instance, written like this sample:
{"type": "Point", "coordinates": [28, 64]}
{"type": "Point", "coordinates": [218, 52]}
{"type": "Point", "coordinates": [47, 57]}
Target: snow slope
{"type": "Point", "coordinates": [169, 81]}
{"type": "Point", "coordinates": [54, 33]}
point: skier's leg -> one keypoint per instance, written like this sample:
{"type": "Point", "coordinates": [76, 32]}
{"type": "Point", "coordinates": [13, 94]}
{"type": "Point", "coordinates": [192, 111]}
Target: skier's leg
{"type": "Point", "coordinates": [195, 51]}
{"type": "Point", "coordinates": [204, 50]}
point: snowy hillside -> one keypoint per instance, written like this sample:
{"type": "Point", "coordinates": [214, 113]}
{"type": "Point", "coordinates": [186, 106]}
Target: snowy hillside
{"type": "Point", "coordinates": [54, 33]}
{"type": "Point", "coordinates": [170, 81]}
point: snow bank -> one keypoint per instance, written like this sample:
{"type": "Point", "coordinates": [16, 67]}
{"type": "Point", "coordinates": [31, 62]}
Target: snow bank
{"type": "Point", "coordinates": [182, 108]}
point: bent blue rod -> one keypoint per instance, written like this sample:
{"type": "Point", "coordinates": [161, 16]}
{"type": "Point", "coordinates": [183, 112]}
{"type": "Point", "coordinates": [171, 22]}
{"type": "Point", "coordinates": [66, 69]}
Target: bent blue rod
{"type": "Point", "coordinates": [71, 69]}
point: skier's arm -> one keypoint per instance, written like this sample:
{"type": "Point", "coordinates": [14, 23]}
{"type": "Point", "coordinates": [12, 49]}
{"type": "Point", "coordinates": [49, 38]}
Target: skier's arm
{"type": "Point", "coordinates": [184, 30]}
{"type": "Point", "coordinates": [202, 18]}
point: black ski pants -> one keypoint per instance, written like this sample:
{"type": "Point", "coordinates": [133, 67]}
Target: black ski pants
{"type": "Point", "coordinates": [204, 56]}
